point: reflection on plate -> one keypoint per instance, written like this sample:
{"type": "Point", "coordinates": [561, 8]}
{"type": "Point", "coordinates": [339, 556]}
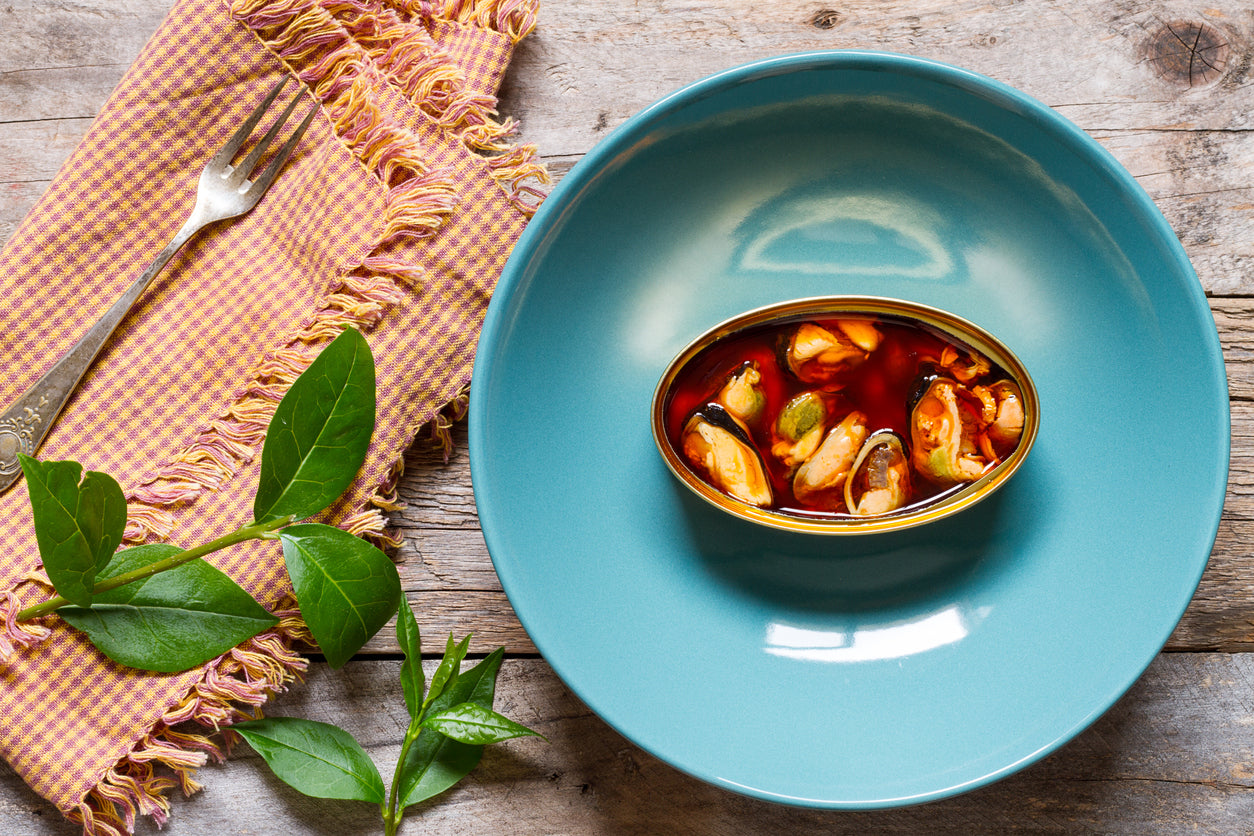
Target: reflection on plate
{"type": "Point", "coordinates": [886, 670]}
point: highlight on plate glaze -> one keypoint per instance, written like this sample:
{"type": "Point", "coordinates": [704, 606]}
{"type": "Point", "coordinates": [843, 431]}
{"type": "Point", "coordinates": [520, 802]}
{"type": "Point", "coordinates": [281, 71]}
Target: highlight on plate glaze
{"type": "Point", "coordinates": [846, 414]}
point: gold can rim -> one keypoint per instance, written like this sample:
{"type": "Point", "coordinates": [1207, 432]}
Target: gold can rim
{"type": "Point", "coordinates": [951, 324]}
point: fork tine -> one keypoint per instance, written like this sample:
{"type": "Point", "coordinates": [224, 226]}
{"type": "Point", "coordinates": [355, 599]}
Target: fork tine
{"type": "Point", "coordinates": [272, 168]}
{"type": "Point", "coordinates": [247, 165]}
{"type": "Point", "coordinates": [217, 199]}
{"type": "Point", "coordinates": [224, 156]}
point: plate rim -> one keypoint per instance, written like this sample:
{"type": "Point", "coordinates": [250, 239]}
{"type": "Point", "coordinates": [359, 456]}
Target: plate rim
{"type": "Point", "coordinates": [587, 168]}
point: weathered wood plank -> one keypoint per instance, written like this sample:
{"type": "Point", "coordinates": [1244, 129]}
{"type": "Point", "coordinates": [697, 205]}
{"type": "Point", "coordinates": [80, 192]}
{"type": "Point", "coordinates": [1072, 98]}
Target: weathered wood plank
{"type": "Point", "coordinates": [1172, 757]}
{"type": "Point", "coordinates": [1090, 59]}
{"type": "Point", "coordinates": [1200, 181]}
{"type": "Point", "coordinates": [1233, 318]}
{"type": "Point", "coordinates": [446, 569]}
{"type": "Point", "coordinates": [590, 65]}
{"type": "Point", "coordinates": [584, 72]}
{"type": "Point", "coordinates": [61, 58]}
{"type": "Point", "coordinates": [587, 68]}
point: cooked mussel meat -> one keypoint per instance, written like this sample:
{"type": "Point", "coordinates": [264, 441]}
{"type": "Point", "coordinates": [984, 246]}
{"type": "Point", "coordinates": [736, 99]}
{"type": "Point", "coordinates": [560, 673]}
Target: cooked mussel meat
{"type": "Point", "coordinates": [799, 428]}
{"type": "Point", "coordinates": [944, 433]}
{"type": "Point", "coordinates": [1005, 424]}
{"type": "Point", "coordinates": [717, 444]}
{"type": "Point", "coordinates": [819, 355]}
{"type": "Point", "coordinates": [820, 479]}
{"type": "Point", "coordinates": [963, 366]}
{"type": "Point", "coordinates": [879, 480]}
{"type": "Point", "coordinates": [742, 394]}
{"type": "Point", "coordinates": [845, 416]}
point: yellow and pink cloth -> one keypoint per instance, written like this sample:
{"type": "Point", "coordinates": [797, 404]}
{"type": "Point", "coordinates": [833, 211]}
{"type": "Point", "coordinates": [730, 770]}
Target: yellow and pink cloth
{"type": "Point", "coordinates": [394, 216]}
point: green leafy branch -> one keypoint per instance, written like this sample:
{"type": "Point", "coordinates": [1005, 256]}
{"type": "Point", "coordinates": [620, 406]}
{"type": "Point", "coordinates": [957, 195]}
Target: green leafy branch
{"type": "Point", "coordinates": [448, 730]}
{"type": "Point", "coordinates": [162, 608]}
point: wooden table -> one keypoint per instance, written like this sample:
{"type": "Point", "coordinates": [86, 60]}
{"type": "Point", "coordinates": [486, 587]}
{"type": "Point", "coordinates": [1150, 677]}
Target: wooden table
{"type": "Point", "coordinates": [1166, 87]}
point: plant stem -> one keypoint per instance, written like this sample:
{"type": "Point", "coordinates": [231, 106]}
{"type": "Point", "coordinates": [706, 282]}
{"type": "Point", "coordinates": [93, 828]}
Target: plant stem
{"type": "Point", "coordinates": [252, 531]}
{"type": "Point", "coordinates": [391, 815]}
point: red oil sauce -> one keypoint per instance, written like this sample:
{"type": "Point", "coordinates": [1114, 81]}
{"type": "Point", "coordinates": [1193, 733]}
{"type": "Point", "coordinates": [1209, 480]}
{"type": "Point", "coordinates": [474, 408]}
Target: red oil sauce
{"type": "Point", "coordinates": [880, 386]}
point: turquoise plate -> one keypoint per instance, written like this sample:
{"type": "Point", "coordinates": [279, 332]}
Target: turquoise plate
{"type": "Point", "coordinates": [880, 670]}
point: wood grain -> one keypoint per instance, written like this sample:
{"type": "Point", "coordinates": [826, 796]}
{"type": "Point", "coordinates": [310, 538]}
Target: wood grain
{"type": "Point", "coordinates": [586, 69]}
{"type": "Point", "coordinates": [1167, 759]}
{"type": "Point", "coordinates": [590, 65]}
{"type": "Point", "coordinates": [1174, 756]}
{"type": "Point", "coordinates": [444, 551]}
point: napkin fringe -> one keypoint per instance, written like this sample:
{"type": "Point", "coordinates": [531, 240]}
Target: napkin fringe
{"type": "Point", "coordinates": [16, 634]}
{"type": "Point", "coordinates": [513, 18]}
{"type": "Point", "coordinates": [371, 522]}
{"type": "Point", "coordinates": [418, 200]}
{"type": "Point", "coordinates": [432, 81]}
{"type": "Point", "coordinates": [357, 300]}
{"type": "Point", "coordinates": [514, 168]}
{"type": "Point", "coordinates": [342, 78]}
{"type": "Point", "coordinates": [441, 425]}
{"type": "Point", "coordinates": [232, 688]}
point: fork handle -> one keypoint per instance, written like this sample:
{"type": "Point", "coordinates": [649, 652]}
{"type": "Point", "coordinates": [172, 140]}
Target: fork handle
{"type": "Point", "coordinates": [25, 424]}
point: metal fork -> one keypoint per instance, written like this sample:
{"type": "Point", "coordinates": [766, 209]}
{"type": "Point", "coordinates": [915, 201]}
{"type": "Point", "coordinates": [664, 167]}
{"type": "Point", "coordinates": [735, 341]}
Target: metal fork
{"type": "Point", "coordinates": [224, 192]}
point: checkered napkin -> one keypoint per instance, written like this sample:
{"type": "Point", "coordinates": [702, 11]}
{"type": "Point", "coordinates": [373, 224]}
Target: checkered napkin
{"type": "Point", "coordinates": [395, 216]}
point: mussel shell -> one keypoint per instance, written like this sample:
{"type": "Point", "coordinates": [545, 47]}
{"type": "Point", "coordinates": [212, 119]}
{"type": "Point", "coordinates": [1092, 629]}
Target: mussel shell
{"type": "Point", "coordinates": [666, 426]}
{"type": "Point", "coordinates": [953, 460]}
{"type": "Point", "coordinates": [755, 489]}
{"type": "Point", "coordinates": [901, 463]}
{"type": "Point", "coordinates": [718, 415]}
{"type": "Point", "coordinates": [782, 344]}
{"type": "Point", "coordinates": [928, 373]}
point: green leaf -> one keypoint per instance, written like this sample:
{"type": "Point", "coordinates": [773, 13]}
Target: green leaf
{"type": "Point", "coordinates": [171, 621]}
{"type": "Point", "coordinates": [78, 523]}
{"type": "Point", "coordinates": [412, 678]}
{"type": "Point", "coordinates": [446, 673]}
{"type": "Point", "coordinates": [436, 762]}
{"type": "Point", "coordinates": [476, 725]}
{"type": "Point", "coordinates": [316, 759]}
{"type": "Point", "coordinates": [346, 588]}
{"type": "Point", "coordinates": [318, 436]}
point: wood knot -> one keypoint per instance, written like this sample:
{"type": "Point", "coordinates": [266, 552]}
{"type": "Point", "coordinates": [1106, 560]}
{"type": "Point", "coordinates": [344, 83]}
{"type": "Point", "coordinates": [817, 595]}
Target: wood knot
{"type": "Point", "coordinates": [1186, 52]}
{"type": "Point", "coordinates": [826, 19]}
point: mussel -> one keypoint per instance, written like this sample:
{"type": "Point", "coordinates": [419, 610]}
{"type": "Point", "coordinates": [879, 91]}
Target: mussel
{"type": "Point", "coordinates": [879, 479]}
{"type": "Point", "coordinates": [820, 479]}
{"type": "Point", "coordinates": [963, 366]}
{"type": "Point", "coordinates": [944, 433]}
{"type": "Point", "coordinates": [1005, 423]}
{"type": "Point", "coordinates": [799, 428]}
{"type": "Point", "coordinates": [742, 394]}
{"type": "Point", "coordinates": [844, 415]}
{"type": "Point", "coordinates": [716, 443]}
{"type": "Point", "coordinates": [819, 355]}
